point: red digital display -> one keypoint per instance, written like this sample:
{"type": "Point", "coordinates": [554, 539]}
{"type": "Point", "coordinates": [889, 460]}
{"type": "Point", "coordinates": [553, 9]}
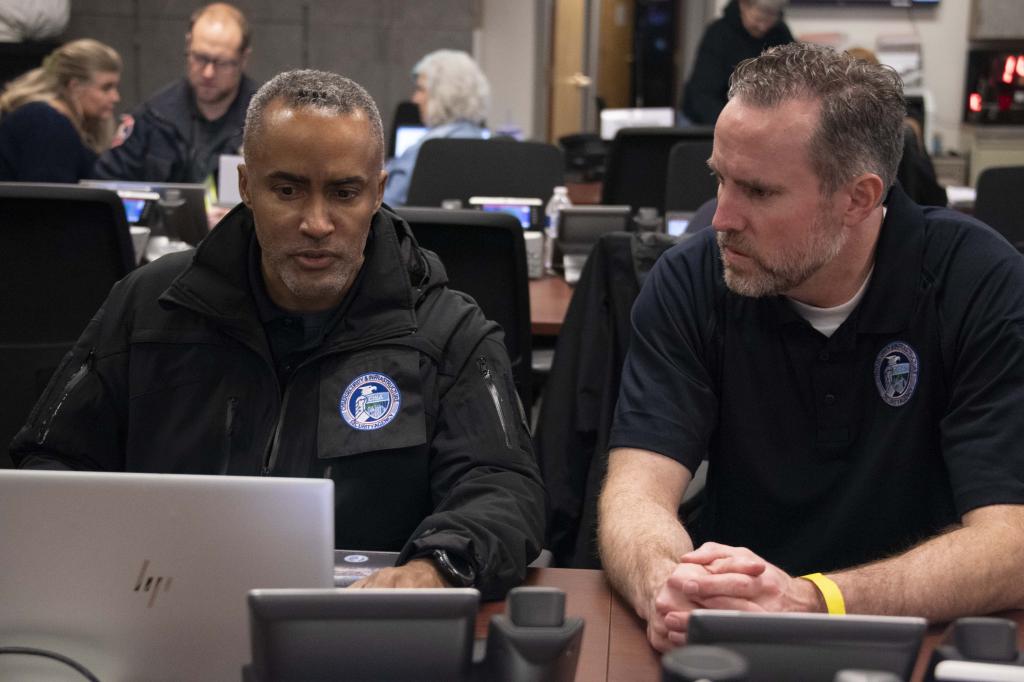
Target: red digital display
{"type": "Point", "coordinates": [995, 86]}
{"type": "Point", "coordinates": [1014, 66]}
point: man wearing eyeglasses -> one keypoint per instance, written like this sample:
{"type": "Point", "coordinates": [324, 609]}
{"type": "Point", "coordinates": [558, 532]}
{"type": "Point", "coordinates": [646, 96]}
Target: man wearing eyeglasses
{"type": "Point", "coordinates": [179, 133]}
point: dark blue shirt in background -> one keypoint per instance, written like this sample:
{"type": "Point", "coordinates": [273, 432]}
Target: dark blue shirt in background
{"type": "Point", "coordinates": [40, 144]}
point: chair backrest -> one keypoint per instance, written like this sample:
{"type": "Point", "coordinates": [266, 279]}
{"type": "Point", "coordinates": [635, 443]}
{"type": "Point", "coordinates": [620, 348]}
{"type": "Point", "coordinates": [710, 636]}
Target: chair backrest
{"type": "Point", "coordinates": [61, 249]}
{"type": "Point", "coordinates": [689, 183]}
{"type": "Point", "coordinates": [484, 255]}
{"type": "Point", "coordinates": [1000, 202]}
{"type": "Point", "coordinates": [637, 166]}
{"type": "Point", "coordinates": [452, 168]}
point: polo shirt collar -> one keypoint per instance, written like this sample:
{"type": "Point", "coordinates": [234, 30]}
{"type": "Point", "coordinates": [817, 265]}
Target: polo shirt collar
{"type": "Point", "coordinates": [893, 292]}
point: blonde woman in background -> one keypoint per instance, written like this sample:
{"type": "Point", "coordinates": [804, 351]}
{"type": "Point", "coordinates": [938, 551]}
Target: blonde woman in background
{"type": "Point", "coordinates": [56, 118]}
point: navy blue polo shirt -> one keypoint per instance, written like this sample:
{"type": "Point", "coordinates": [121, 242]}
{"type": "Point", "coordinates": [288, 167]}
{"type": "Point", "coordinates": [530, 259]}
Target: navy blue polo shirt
{"type": "Point", "coordinates": [826, 452]}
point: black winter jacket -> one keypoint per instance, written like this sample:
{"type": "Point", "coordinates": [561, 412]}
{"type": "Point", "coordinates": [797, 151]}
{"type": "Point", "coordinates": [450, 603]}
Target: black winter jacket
{"type": "Point", "coordinates": [163, 144]}
{"type": "Point", "coordinates": [724, 45]}
{"type": "Point", "coordinates": [174, 374]}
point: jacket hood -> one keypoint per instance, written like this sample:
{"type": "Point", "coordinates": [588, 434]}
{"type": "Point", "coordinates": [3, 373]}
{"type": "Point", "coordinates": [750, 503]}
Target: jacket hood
{"type": "Point", "coordinates": [395, 277]}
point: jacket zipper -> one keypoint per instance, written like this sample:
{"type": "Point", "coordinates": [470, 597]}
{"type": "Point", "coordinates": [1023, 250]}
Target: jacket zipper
{"type": "Point", "coordinates": [270, 454]}
{"type": "Point", "coordinates": [76, 378]}
{"type": "Point", "coordinates": [485, 372]}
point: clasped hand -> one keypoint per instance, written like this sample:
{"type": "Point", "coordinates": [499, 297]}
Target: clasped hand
{"type": "Point", "coordinates": [716, 576]}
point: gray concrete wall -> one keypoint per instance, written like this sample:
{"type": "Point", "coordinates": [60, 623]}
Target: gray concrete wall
{"type": "Point", "coordinates": [374, 42]}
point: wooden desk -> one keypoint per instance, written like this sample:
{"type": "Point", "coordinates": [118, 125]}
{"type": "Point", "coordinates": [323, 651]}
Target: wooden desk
{"type": "Point", "coordinates": [549, 301]}
{"type": "Point", "coordinates": [615, 645]}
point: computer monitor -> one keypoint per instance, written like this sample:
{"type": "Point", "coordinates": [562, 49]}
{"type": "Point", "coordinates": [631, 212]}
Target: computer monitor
{"type": "Point", "coordinates": [677, 222]}
{"type": "Point", "coordinates": [796, 647]}
{"type": "Point", "coordinates": [179, 213]}
{"type": "Point", "coordinates": [526, 210]}
{"type": "Point", "coordinates": [145, 576]}
{"type": "Point", "coordinates": [369, 634]}
{"type": "Point", "coordinates": [612, 120]}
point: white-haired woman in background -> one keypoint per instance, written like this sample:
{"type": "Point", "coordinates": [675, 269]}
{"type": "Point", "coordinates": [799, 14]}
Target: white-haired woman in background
{"type": "Point", "coordinates": [452, 95]}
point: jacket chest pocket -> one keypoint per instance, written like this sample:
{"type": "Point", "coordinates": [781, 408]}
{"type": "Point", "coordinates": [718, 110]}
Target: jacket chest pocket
{"type": "Point", "coordinates": [370, 401]}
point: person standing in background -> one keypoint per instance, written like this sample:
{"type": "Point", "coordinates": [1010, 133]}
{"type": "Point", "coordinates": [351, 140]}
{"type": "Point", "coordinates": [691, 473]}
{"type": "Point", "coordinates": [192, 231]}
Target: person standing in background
{"type": "Point", "coordinates": [179, 133]}
{"type": "Point", "coordinates": [452, 94]}
{"type": "Point", "coordinates": [745, 30]}
{"type": "Point", "coordinates": [59, 116]}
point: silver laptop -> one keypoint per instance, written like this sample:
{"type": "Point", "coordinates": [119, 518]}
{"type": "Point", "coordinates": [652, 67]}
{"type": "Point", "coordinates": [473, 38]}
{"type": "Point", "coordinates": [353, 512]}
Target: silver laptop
{"type": "Point", "coordinates": [145, 576]}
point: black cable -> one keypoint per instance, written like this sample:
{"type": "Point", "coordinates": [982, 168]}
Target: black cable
{"type": "Point", "coordinates": [43, 653]}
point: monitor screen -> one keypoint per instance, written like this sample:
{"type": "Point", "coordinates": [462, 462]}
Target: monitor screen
{"type": "Point", "coordinates": [792, 647]}
{"type": "Point", "coordinates": [525, 210]}
{"type": "Point", "coordinates": [407, 136]}
{"type": "Point", "coordinates": [677, 222]}
{"type": "Point", "coordinates": [522, 213]}
{"type": "Point", "coordinates": [133, 209]}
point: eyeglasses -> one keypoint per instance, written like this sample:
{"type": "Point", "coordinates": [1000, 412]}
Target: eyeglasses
{"type": "Point", "coordinates": [201, 61]}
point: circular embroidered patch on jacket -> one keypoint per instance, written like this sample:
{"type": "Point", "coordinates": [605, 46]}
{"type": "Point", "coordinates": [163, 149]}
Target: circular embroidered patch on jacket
{"type": "Point", "coordinates": [370, 402]}
{"type": "Point", "coordinates": [896, 370]}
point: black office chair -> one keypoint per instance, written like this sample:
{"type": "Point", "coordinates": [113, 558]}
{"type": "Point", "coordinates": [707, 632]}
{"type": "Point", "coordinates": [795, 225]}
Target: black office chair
{"type": "Point", "coordinates": [61, 249]}
{"type": "Point", "coordinates": [406, 114]}
{"type": "Point", "coordinates": [459, 169]}
{"type": "Point", "coordinates": [689, 183]}
{"type": "Point", "coordinates": [571, 439]}
{"type": "Point", "coordinates": [1000, 202]}
{"type": "Point", "coordinates": [637, 166]}
{"type": "Point", "coordinates": [484, 255]}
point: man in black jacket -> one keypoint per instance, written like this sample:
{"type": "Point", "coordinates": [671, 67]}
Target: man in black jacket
{"type": "Point", "coordinates": [179, 133]}
{"type": "Point", "coordinates": [308, 335]}
{"type": "Point", "coordinates": [747, 28]}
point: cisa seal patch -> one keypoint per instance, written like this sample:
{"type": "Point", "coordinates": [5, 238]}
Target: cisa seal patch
{"type": "Point", "coordinates": [370, 402]}
{"type": "Point", "coordinates": [896, 371]}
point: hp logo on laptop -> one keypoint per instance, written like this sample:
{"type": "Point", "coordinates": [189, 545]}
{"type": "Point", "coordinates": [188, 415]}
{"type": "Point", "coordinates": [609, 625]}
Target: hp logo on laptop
{"type": "Point", "coordinates": [151, 583]}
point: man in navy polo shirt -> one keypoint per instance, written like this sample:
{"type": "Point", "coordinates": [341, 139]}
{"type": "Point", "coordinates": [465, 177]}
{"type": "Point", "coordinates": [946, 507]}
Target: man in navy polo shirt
{"type": "Point", "coordinates": [850, 364]}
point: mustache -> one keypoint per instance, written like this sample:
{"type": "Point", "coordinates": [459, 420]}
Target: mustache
{"type": "Point", "coordinates": [733, 241]}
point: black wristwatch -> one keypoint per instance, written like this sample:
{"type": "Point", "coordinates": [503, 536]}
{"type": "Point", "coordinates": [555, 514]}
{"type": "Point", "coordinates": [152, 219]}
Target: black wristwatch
{"type": "Point", "coordinates": [453, 568]}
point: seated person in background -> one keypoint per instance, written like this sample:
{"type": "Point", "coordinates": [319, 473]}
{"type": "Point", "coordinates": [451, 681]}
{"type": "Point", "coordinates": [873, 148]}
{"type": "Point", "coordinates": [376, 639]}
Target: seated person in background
{"type": "Point", "coordinates": [850, 364]}
{"type": "Point", "coordinates": [745, 30]}
{"type": "Point", "coordinates": [452, 94]}
{"type": "Point", "coordinates": [56, 118]}
{"type": "Point", "coordinates": [179, 133]}
{"type": "Point", "coordinates": [309, 336]}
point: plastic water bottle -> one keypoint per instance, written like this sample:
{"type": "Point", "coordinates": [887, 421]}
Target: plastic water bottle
{"type": "Point", "coordinates": [558, 201]}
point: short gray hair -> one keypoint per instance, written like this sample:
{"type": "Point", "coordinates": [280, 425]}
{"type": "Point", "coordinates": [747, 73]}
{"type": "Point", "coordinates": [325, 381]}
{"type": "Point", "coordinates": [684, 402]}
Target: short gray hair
{"type": "Point", "coordinates": [317, 90]}
{"type": "Point", "coordinates": [456, 88]}
{"type": "Point", "coordinates": [862, 107]}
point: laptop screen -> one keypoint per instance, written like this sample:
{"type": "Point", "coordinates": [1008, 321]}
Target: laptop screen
{"type": "Point", "coordinates": [145, 576]}
{"type": "Point", "coordinates": [407, 136]}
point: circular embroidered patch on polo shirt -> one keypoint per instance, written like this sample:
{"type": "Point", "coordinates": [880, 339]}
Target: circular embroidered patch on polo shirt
{"type": "Point", "coordinates": [370, 402]}
{"type": "Point", "coordinates": [896, 371]}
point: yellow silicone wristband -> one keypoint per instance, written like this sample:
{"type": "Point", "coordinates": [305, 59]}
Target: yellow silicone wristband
{"type": "Point", "coordinates": [830, 591]}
